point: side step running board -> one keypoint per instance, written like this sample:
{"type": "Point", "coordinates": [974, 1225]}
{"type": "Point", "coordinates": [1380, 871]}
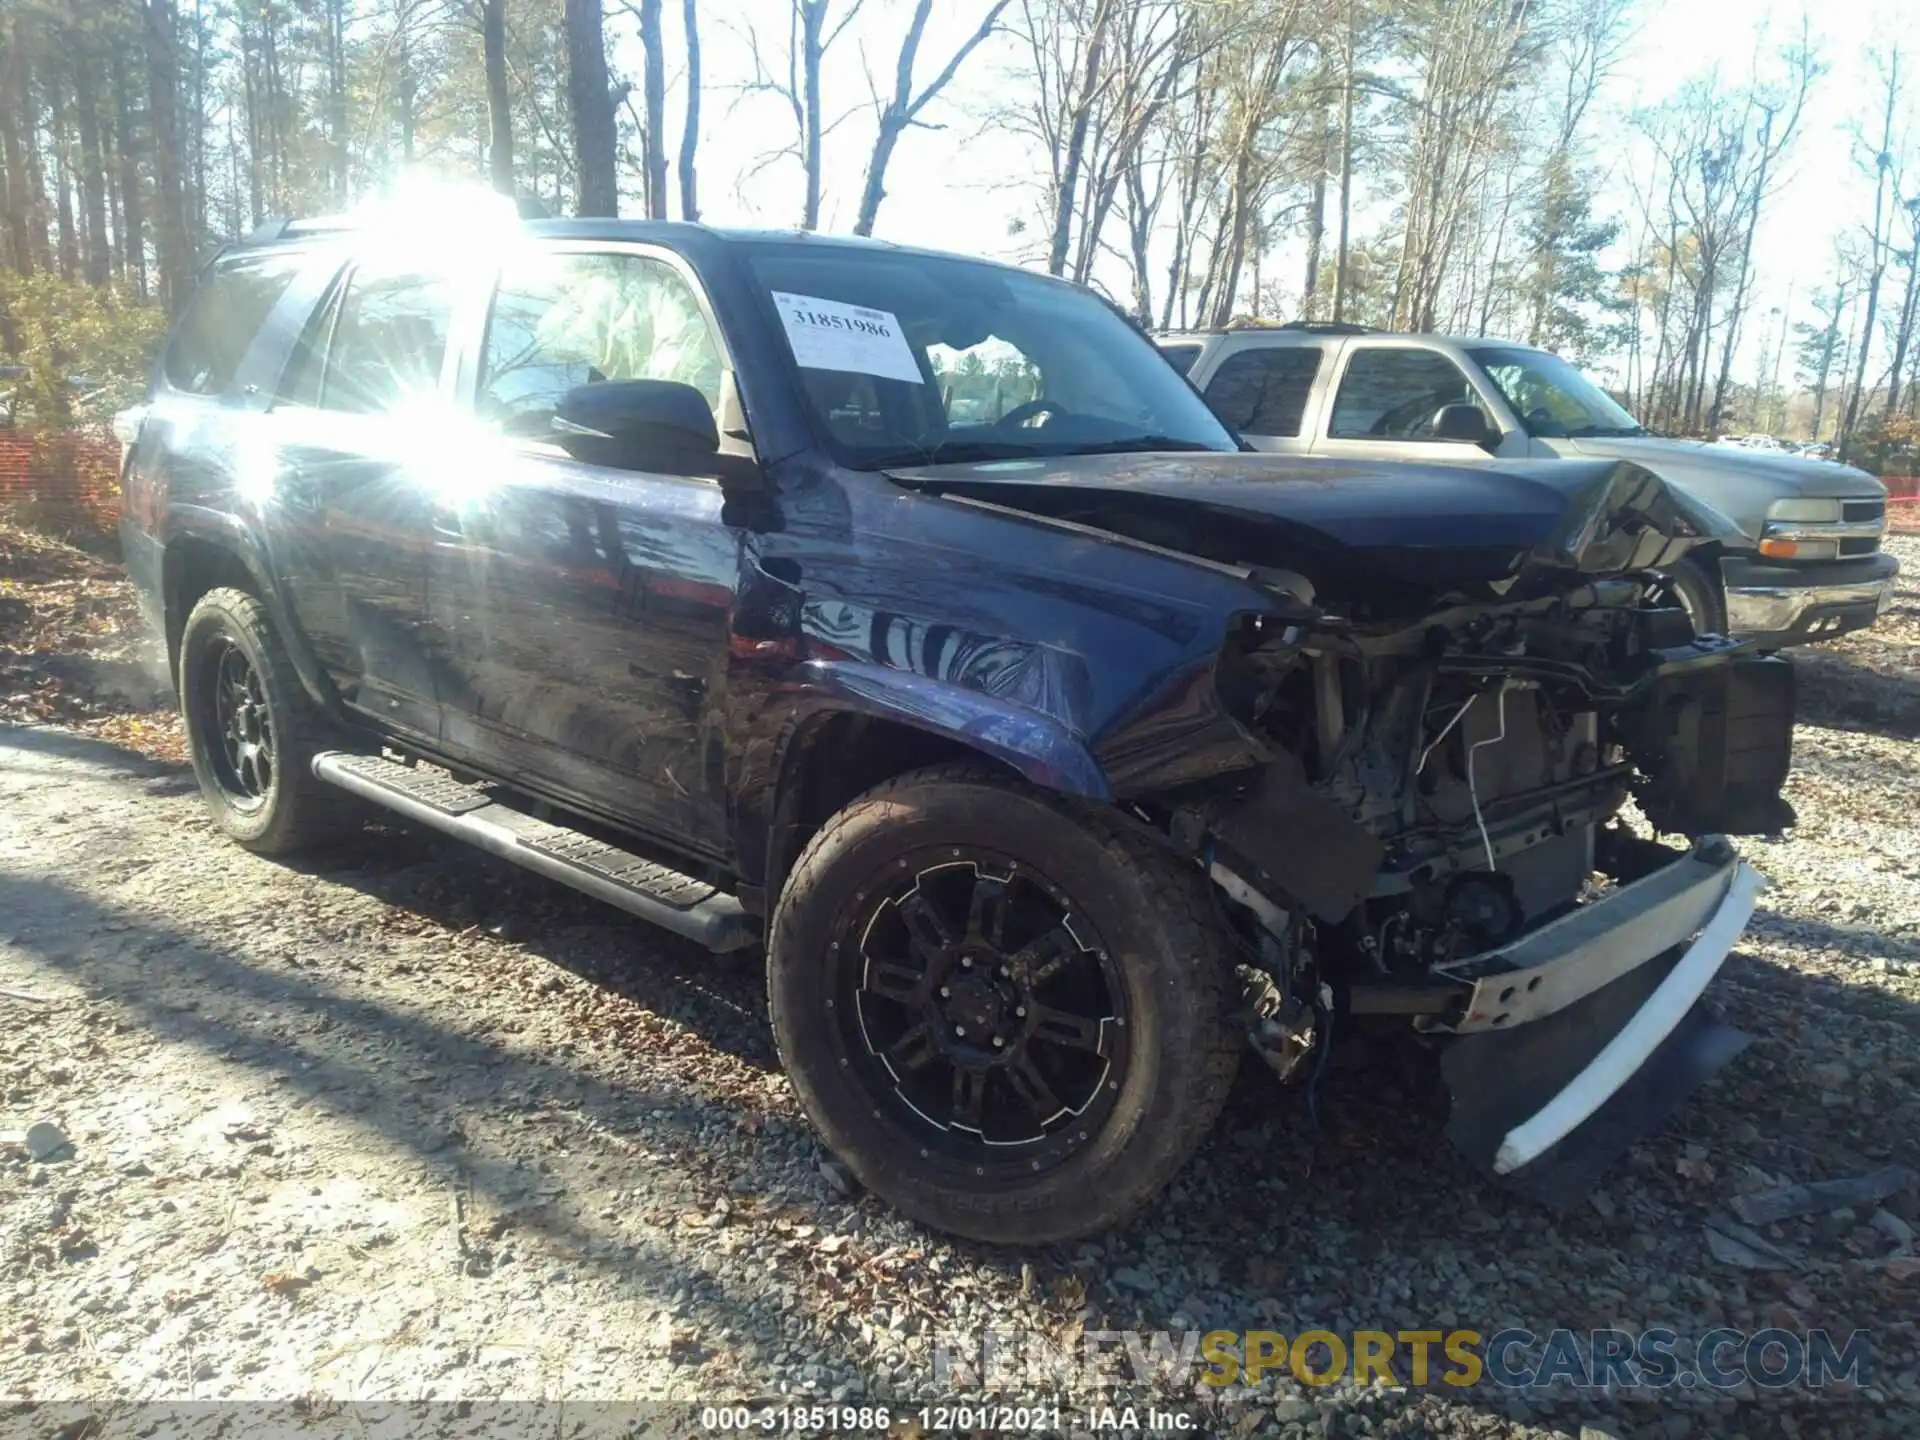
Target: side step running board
{"type": "Point", "coordinates": [641, 887]}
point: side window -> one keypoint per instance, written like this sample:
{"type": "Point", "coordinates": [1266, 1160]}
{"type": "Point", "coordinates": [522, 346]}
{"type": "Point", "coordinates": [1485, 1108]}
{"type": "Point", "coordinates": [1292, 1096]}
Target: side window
{"type": "Point", "coordinates": [1392, 394]}
{"type": "Point", "coordinates": [227, 311]}
{"type": "Point", "coordinates": [561, 320]}
{"type": "Point", "coordinates": [983, 382]}
{"type": "Point", "coordinates": [389, 340]}
{"type": "Point", "coordinates": [1264, 392]}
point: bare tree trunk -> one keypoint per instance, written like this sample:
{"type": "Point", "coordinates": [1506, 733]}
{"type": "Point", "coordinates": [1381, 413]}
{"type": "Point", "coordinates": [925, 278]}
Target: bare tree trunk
{"type": "Point", "coordinates": [69, 246]}
{"type": "Point", "coordinates": [1878, 257]}
{"type": "Point", "coordinates": [654, 87]}
{"type": "Point", "coordinates": [276, 109]}
{"type": "Point", "coordinates": [26, 178]}
{"type": "Point", "coordinates": [493, 41]}
{"type": "Point", "coordinates": [133, 244]}
{"type": "Point", "coordinates": [813, 18]}
{"type": "Point", "coordinates": [406, 91]}
{"type": "Point", "coordinates": [93, 171]}
{"type": "Point", "coordinates": [1903, 334]}
{"type": "Point", "coordinates": [1140, 214]}
{"type": "Point", "coordinates": [1346, 171]}
{"type": "Point", "coordinates": [690, 136]}
{"type": "Point", "coordinates": [1830, 340]}
{"type": "Point", "coordinates": [336, 42]}
{"type": "Point", "coordinates": [1085, 90]}
{"type": "Point", "coordinates": [176, 264]}
{"type": "Point", "coordinates": [1735, 315]}
{"type": "Point", "coordinates": [905, 106]}
{"type": "Point", "coordinates": [256, 126]}
{"type": "Point", "coordinates": [590, 101]}
{"type": "Point", "coordinates": [1316, 217]}
{"type": "Point", "coordinates": [16, 139]}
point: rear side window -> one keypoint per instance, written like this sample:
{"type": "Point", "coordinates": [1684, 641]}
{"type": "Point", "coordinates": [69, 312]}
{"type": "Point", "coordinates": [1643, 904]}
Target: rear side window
{"type": "Point", "coordinates": [1393, 393]}
{"type": "Point", "coordinates": [1181, 356]}
{"type": "Point", "coordinates": [389, 340]}
{"type": "Point", "coordinates": [1264, 392]}
{"type": "Point", "coordinates": [227, 311]}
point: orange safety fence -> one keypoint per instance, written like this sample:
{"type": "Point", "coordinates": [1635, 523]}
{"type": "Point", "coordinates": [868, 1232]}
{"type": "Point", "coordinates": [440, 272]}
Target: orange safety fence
{"type": "Point", "coordinates": [61, 479]}
{"type": "Point", "coordinates": [1903, 504]}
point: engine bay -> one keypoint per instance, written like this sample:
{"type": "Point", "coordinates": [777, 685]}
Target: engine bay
{"type": "Point", "coordinates": [1464, 779]}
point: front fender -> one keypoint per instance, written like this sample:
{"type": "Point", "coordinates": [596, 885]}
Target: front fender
{"type": "Point", "coordinates": [1044, 751]}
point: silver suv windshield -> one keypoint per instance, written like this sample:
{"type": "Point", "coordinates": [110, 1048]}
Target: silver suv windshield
{"type": "Point", "coordinates": [908, 359]}
{"type": "Point", "coordinates": [1552, 399]}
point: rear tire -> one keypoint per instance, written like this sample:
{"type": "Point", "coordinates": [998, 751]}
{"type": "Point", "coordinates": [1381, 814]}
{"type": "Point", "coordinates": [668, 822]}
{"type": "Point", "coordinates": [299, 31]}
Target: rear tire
{"type": "Point", "coordinates": [1008, 1015]}
{"type": "Point", "coordinates": [252, 731]}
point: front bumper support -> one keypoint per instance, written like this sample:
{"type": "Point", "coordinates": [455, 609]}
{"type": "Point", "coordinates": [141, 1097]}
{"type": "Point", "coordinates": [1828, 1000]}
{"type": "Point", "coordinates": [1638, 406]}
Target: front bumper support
{"type": "Point", "coordinates": [1627, 1051]}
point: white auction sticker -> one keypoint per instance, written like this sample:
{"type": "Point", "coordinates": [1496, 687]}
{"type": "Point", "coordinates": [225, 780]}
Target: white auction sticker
{"type": "Point", "coordinates": [827, 335]}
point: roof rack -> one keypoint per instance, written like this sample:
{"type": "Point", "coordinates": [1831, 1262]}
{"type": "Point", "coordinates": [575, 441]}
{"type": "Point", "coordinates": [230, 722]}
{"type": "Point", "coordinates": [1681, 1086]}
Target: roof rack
{"type": "Point", "coordinates": [1327, 327]}
{"type": "Point", "coordinates": [1312, 327]}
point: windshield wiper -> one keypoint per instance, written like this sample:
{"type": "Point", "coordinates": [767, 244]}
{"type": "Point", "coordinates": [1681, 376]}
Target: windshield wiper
{"type": "Point", "coordinates": [1140, 444]}
{"type": "Point", "coordinates": [955, 452]}
{"type": "Point", "coordinates": [1609, 432]}
{"type": "Point", "coordinates": [961, 452]}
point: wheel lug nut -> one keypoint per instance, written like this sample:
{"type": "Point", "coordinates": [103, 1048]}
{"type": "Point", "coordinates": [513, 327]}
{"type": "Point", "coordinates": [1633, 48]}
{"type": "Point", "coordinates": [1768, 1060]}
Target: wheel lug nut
{"type": "Point", "coordinates": [1021, 1011]}
{"type": "Point", "coordinates": [945, 993]}
{"type": "Point", "coordinates": [966, 962]}
{"type": "Point", "coordinates": [998, 1042]}
{"type": "Point", "coordinates": [961, 1031]}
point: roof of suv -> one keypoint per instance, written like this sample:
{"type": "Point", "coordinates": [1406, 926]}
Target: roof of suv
{"type": "Point", "coordinates": [306, 230]}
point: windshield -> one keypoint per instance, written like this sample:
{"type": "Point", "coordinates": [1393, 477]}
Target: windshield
{"type": "Point", "coordinates": [918, 359]}
{"type": "Point", "coordinates": [1553, 399]}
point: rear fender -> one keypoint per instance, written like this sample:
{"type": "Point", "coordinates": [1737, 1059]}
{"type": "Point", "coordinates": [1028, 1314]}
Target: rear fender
{"type": "Point", "coordinates": [233, 537]}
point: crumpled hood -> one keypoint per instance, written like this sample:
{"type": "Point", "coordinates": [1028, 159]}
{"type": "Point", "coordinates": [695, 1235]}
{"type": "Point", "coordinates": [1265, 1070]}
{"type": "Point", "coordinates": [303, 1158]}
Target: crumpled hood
{"type": "Point", "coordinates": [1390, 523]}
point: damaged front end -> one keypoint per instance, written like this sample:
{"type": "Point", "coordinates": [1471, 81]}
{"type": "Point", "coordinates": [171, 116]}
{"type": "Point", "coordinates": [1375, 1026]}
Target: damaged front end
{"type": "Point", "coordinates": [1441, 838]}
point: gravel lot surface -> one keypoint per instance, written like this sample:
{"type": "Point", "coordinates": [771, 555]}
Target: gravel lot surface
{"type": "Point", "coordinates": [408, 1124]}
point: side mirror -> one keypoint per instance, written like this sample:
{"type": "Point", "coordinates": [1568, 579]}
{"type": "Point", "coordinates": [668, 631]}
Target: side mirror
{"type": "Point", "coordinates": [1464, 424]}
{"type": "Point", "coordinates": [637, 425]}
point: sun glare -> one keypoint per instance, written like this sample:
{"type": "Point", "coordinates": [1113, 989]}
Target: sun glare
{"type": "Point", "coordinates": [420, 218]}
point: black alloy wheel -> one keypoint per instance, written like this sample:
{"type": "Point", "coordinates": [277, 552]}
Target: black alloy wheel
{"type": "Point", "coordinates": [979, 1004]}
{"type": "Point", "coordinates": [245, 766]}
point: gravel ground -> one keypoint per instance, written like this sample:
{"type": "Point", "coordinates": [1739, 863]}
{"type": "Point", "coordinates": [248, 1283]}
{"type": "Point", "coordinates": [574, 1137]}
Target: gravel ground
{"type": "Point", "coordinates": [407, 1124]}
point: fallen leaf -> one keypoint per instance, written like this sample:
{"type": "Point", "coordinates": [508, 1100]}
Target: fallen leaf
{"type": "Point", "coordinates": [1695, 1170]}
{"type": "Point", "coordinates": [279, 1283]}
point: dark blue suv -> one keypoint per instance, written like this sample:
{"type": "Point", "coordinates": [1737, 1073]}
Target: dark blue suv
{"type": "Point", "coordinates": [912, 617]}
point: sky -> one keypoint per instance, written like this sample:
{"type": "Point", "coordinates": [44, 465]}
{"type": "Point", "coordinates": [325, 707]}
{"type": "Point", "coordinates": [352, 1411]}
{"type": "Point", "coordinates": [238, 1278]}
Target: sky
{"type": "Point", "coordinates": [965, 185]}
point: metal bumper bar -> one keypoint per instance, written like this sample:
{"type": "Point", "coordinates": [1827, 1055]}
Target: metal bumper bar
{"type": "Point", "coordinates": [1548, 969]}
{"type": "Point", "coordinates": [1767, 600]}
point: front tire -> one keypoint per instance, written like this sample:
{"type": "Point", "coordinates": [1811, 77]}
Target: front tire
{"type": "Point", "coordinates": [1702, 594]}
{"type": "Point", "coordinates": [1009, 1016]}
{"type": "Point", "coordinates": [252, 731]}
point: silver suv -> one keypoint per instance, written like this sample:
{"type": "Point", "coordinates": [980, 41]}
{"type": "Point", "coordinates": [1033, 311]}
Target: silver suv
{"type": "Point", "coordinates": [1801, 554]}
